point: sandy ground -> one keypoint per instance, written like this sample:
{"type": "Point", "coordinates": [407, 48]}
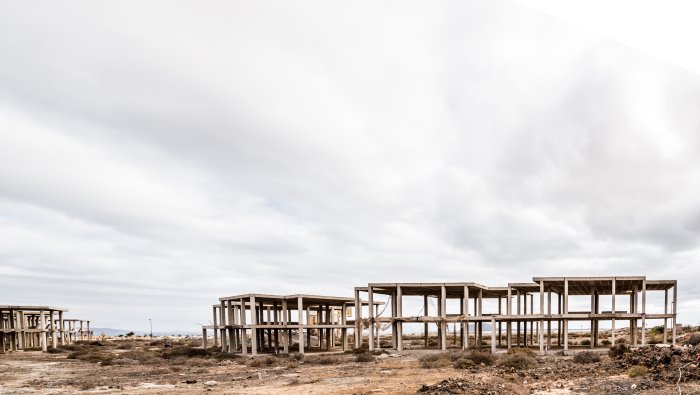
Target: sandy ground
{"type": "Point", "coordinates": [138, 367]}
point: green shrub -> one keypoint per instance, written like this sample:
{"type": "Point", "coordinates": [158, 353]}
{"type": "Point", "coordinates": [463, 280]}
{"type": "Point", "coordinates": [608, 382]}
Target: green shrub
{"type": "Point", "coordinates": [694, 339]}
{"type": "Point", "coordinates": [587, 357]}
{"type": "Point", "coordinates": [637, 371]}
{"type": "Point", "coordinates": [657, 330]}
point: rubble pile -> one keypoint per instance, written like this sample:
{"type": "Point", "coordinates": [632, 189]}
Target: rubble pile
{"type": "Point", "coordinates": [665, 363]}
{"type": "Point", "coordinates": [463, 386]}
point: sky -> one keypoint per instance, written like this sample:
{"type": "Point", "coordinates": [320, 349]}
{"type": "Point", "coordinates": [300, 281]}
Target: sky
{"type": "Point", "coordinates": [157, 156]}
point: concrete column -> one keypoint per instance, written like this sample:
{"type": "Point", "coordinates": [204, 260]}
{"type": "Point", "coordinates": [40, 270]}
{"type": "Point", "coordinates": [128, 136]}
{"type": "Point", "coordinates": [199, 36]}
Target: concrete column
{"type": "Point", "coordinates": [253, 327]}
{"type": "Point", "coordinates": [509, 328]}
{"type": "Point", "coordinates": [222, 320]}
{"type": "Point", "coordinates": [216, 326]}
{"type": "Point", "coordinates": [285, 322]}
{"type": "Point", "coordinates": [549, 318]}
{"type": "Point", "coordinates": [481, 313]}
{"type": "Point", "coordinates": [300, 306]}
{"type": "Point", "coordinates": [358, 320]}
{"type": "Point", "coordinates": [493, 334]}
{"type": "Point", "coordinates": [443, 316]}
{"type": "Point", "coordinates": [393, 322]}
{"type": "Point", "coordinates": [541, 327]}
{"type": "Point", "coordinates": [370, 299]}
{"type": "Point", "coordinates": [500, 313]}
{"type": "Point", "coordinates": [465, 323]}
{"type": "Point", "coordinates": [399, 313]}
{"type": "Point", "coordinates": [644, 312]}
{"type": "Point", "coordinates": [244, 332]}
{"type": "Point", "coordinates": [425, 314]}
{"type": "Point", "coordinates": [517, 322]}
{"type": "Point", "coordinates": [665, 339]}
{"type": "Point", "coordinates": [614, 291]}
{"type": "Point", "coordinates": [566, 312]}
{"type": "Point", "coordinates": [675, 304]}
{"type": "Point", "coordinates": [204, 338]}
{"type": "Point", "coordinates": [230, 308]}
{"type": "Point", "coordinates": [42, 325]}
{"type": "Point", "coordinates": [344, 321]}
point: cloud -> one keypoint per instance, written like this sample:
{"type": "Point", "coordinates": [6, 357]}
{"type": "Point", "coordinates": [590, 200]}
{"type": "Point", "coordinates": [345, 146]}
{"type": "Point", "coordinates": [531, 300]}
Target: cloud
{"type": "Point", "coordinates": [154, 159]}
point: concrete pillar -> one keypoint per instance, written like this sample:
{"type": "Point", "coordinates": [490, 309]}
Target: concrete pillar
{"type": "Point", "coordinates": [541, 324]}
{"type": "Point", "coordinates": [399, 313]}
{"type": "Point", "coordinates": [222, 320]}
{"type": "Point", "coordinates": [443, 317]}
{"type": "Point", "coordinates": [253, 327]}
{"type": "Point", "coordinates": [549, 318]}
{"type": "Point", "coordinates": [644, 312]}
{"type": "Point", "coordinates": [465, 323]}
{"type": "Point", "coordinates": [665, 339]}
{"type": "Point", "coordinates": [42, 325]}
{"type": "Point", "coordinates": [493, 334]}
{"type": "Point", "coordinates": [358, 319]}
{"type": "Point", "coordinates": [204, 338]}
{"type": "Point", "coordinates": [285, 322]}
{"type": "Point", "coordinates": [614, 292]}
{"type": "Point", "coordinates": [230, 308]}
{"type": "Point", "coordinates": [300, 307]}
{"type": "Point", "coordinates": [566, 312]}
{"type": "Point", "coordinates": [216, 326]}
{"type": "Point", "coordinates": [425, 314]}
{"type": "Point", "coordinates": [517, 322]}
{"type": "Point", "coordinates": [509, 328]}
{"type": "Point", "coordinates": [370, 299]}
{"type": "Point", "coordinates": [244, 332]}
{"type": "Point", "coordinates": [481, 313]}
{"type": "Point", "coordinates": [675, 305]}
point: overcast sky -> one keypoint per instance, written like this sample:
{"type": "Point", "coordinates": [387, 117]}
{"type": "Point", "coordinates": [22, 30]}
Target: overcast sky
{"type": "Point", "coordinates": [154, 157]}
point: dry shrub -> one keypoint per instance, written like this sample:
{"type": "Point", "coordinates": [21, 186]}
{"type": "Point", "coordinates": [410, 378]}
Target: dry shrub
{"type": "Point", "coordinates": [618, 350]}
{"type": "Point", "coordinates": [517, 361]}
{"type": "Point", "coordinates": [637, 371]}
{"type": "Point", "coordinates": [463, 364]}
{"type": "Point", "coordinates": [322, 360]}
{"type": "Point", "coordinates": [54, 351]}
{"type": "Point", "coordinates": [143, 357]}
{"type": "Point", "coordinates": [521, 351]}
{"type": "Point", "coordinates": [479, 357]}
{"type": "Point", "coordinates": [185, 351]}
{"type": "Point", "coordinates": [694, 339]}
{"type": "Point", "coordinates": [364, 357]}
{"type": "Point", "coordinates": [585, 342]}
{"type": "Point", "coordinates": [435, 361]}
{"type": "Point", "coordinates": [262, 361]}
{"type": "Point", "coordinates": [587, 357]}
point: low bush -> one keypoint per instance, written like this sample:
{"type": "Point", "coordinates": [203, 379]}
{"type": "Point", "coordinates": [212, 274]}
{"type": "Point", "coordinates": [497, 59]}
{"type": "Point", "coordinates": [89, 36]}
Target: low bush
{"type": "Point", "coordinates": [463, 363]}
{"type": "Point", "coordinates": [434, 361]}
{"type": "Point", "coordinates": [521, 350]}
{"type": "Point", "coordinates": [54, 351]}
{"type": "Point", "coordinates": [364, 357]}
{"type": "Point", "coordinates": [585, 342]}
{"type": "Point", "coordinates": [618, 350]}
{"type": "Point", "coordinates": [587, 357]}
{"type": "Point", "coordinates": [322, 360]}
{"type": "Point", "coordinates": [185, 351]}
{"type": "Point", "coordinates": [262, 361]}
{"type": "Point", "coordinates": [517, 361]}
{"type": "Point", "coordinates": [694, 339]}
{"type": "Point", "coordinates": [637, 371]}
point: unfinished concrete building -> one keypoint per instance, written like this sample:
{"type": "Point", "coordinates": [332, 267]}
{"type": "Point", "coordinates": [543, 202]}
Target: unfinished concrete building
{"type": "Point", "coordinates": [29, 327]}
{"type": "Point", "coordinates": [252, 323]}
{"type": "Point", "coordinates": [523, 314]}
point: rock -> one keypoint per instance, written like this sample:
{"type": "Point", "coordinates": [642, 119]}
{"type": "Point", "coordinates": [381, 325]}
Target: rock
{"type": "Point", "coordinates": [210, 383]}
{"type": "Point", "coordinates": [633, 386]}
{"type": "Point", "coordinates": [383, 356]}
{"type": "Point", "coordinates": [190, 381]}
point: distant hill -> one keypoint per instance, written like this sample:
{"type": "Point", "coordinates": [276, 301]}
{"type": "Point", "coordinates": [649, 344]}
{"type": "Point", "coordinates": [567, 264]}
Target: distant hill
{"type": "Point", "coordinates": [117, 332]}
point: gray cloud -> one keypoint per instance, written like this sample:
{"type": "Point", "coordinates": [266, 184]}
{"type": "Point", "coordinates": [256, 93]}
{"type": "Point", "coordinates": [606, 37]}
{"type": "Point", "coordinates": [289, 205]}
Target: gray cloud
{"type": "Point", "coordinates": [153, 159]}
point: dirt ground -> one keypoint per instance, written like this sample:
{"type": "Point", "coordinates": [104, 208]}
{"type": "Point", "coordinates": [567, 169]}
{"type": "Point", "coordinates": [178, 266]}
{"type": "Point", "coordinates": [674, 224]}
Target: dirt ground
{"type": "Point", "coordinates": [147, 367]}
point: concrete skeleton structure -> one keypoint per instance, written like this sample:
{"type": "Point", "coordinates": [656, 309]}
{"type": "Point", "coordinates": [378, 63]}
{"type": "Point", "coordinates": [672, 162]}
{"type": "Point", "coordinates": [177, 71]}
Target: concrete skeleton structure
{"type": "Point", "coordinates": [512, 310]}
{"type": "Point", "coordinates": [25, 327]}
{"type": "Point", "coordinates": [252, 323]}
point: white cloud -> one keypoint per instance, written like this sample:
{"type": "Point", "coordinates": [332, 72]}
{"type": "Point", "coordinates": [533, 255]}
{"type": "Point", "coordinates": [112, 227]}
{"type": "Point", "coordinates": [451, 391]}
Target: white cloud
{"type": "Point", "coordinates": [154, 159]}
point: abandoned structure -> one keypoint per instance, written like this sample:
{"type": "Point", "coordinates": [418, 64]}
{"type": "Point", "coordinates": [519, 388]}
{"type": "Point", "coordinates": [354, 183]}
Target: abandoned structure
{"type": "Point", "coordinates": [536, 313]}
{"type": "Point", "coordinates": [525, 313]}
{"type": "Point", "coordinates": [25, 327]}
{"type": "Point", "coordinates": [271, 322]}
